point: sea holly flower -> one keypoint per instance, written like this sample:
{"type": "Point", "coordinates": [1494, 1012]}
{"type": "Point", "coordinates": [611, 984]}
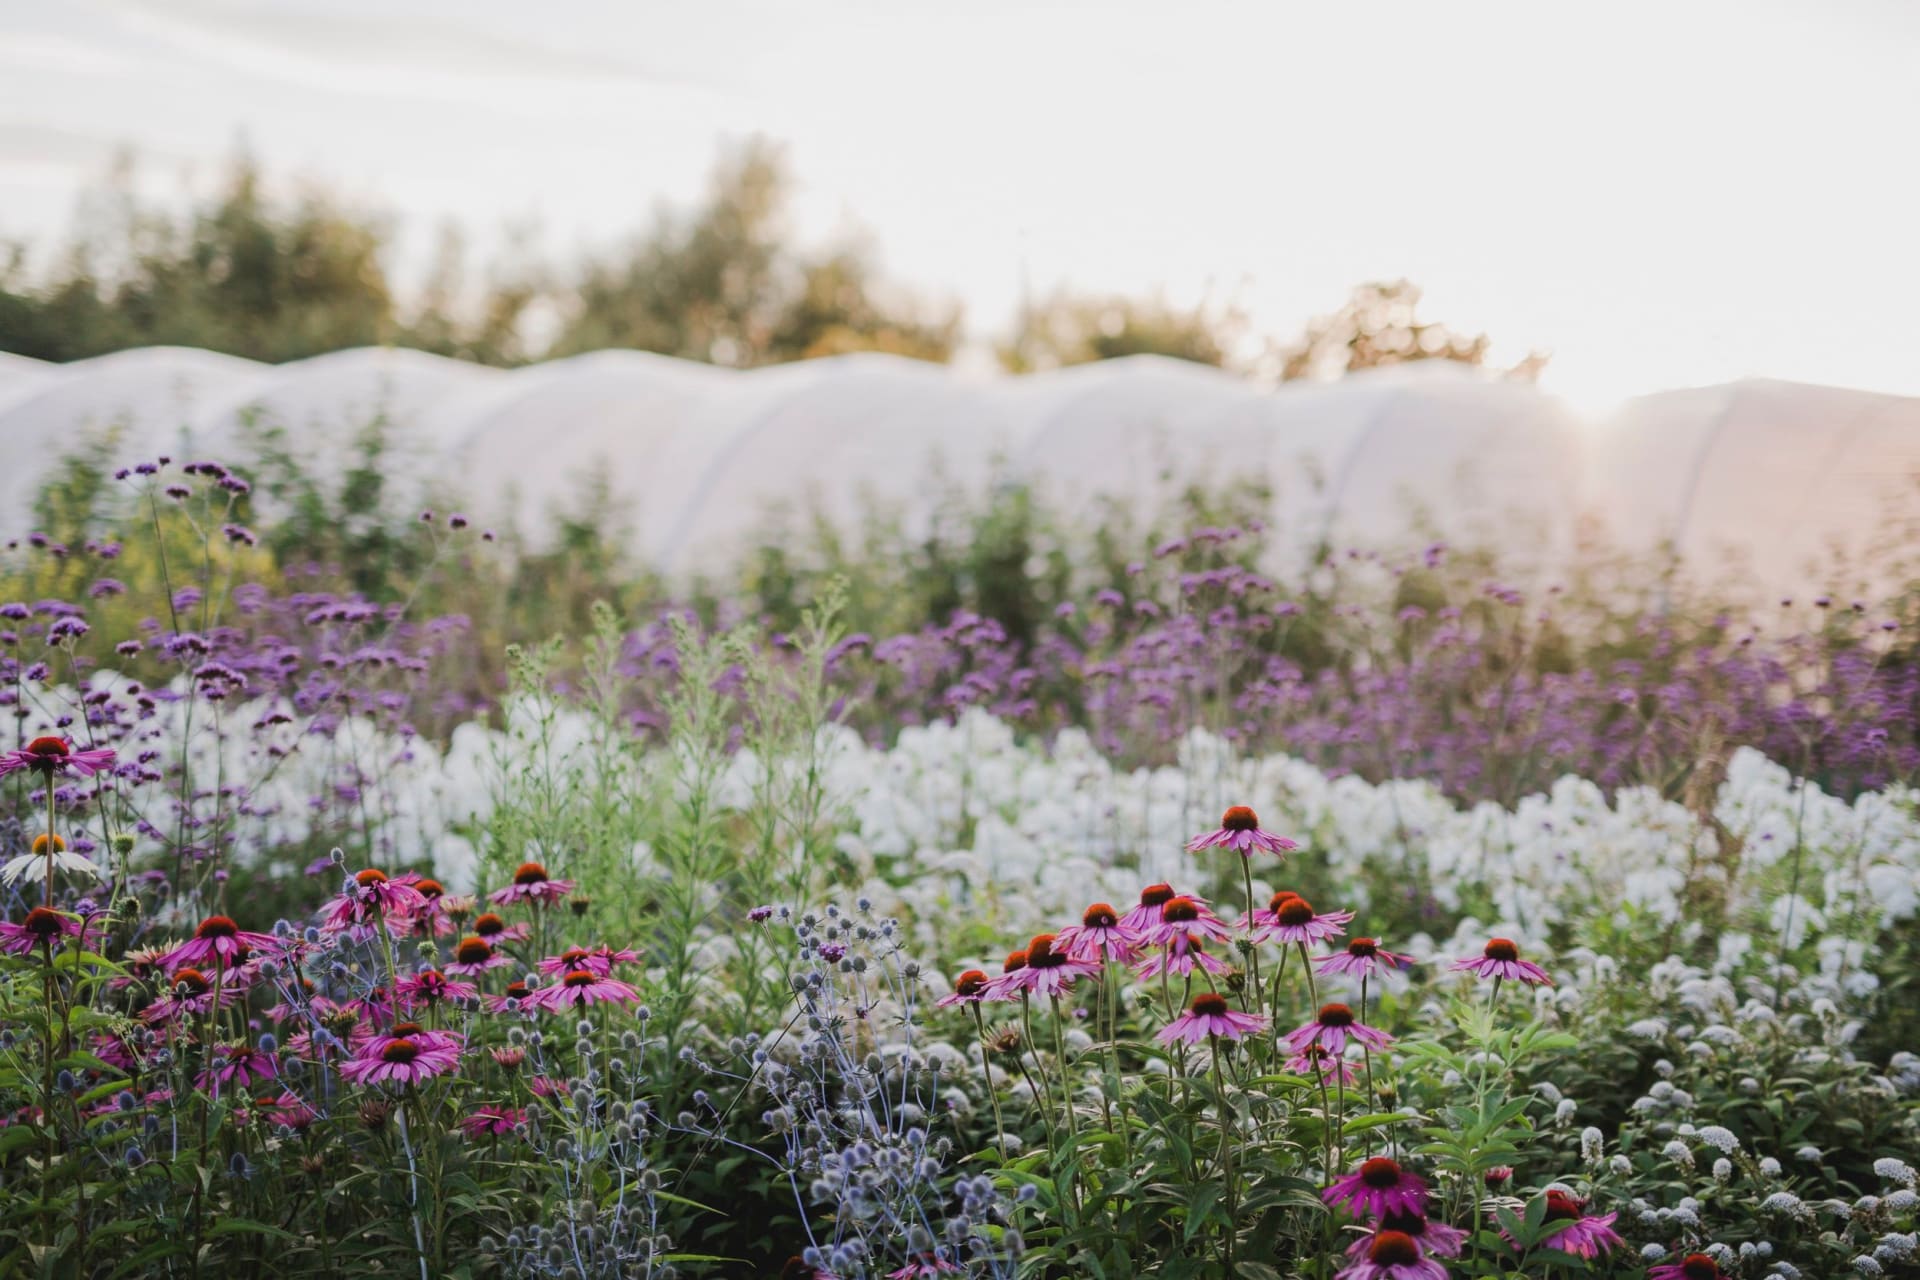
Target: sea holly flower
{"type": "Point", "coordinates": [220, 942]}
{"type": "Point", "coordinates": [474, 956]}
{"type": "Point", "coordinates": [1048, 971]}
{"type": "Point", "coordinates": [1290, 918]}
{"type": "Point", "coordinates": [30, 867]}
{"type": "Point", "coordinates": [1184, 921]}
{"type": "Point", "coordinates": [969, 988]}
{"type": "Point", "coordinates": [1210, 1016]}
{"type": "Point", "coordinates": [49, 756]}
{"type": "Point", "coordinates": [1582, 1235]}
{"type": "Point", "coordinates": [581, 988]}
{"type": "Point", "coordinates": [43, 927]}
{"type": "Point", "coordinates": [1363, 957]}
{"type": "Point", "coordinates": [1434, 1238]}
{"type": "Point", "coordinates": [492, 1121]}
{"type": "Point", "coordinates": [1392, 1255]}
{"type": "Point", "coordinates": [1180, 964]}
{"type": "Point", "coordinates": [1240, 831]}
{"type": "Point", "coordinates": [531, 884]}
{"type": "Point", "coordinates": [1501, 959]}
{"type": "Point", "coordinates": [1332, 1028]}
{"type": "Point", "coordinates": [404, 1060]}
{"type": "Point", "coordinates": [1378, 1187]}
{"type": "Point", "coordinates": [1695, 1266]}
{"type": "Point", "coordinates": [1099, 936]}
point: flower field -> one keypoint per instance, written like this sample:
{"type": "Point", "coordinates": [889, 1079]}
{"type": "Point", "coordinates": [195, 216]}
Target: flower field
{"type": "Point", "coordinates": [1395, 925]}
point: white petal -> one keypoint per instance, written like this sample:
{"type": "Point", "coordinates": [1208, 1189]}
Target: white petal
{"type": "Point", "coordinates": [28, 866]}
{"type": "Point", "coordinates": [78, 862]}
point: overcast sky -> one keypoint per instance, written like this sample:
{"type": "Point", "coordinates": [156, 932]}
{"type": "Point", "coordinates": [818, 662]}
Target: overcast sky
{"type": "Point", "coordinates": [1664, 194]}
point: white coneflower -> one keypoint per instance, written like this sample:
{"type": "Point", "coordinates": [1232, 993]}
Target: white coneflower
{"type": "Point", "coordinates": [32, 867]}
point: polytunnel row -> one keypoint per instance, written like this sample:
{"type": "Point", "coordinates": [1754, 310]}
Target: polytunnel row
{"type": "Point", "coordinates": [1767, 476]}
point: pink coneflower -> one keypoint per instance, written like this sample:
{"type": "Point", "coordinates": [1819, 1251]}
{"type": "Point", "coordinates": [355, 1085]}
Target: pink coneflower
{"type": "Point", "coordinates": [240, 1065]}
{"type": "Point", "coordinates": [1377, 1188]}
{"type": "Point", "coordinates": [49, 756]}
{"type": "Point", "coordinates": [375, 1006]}
{"type": "Point", "coordinates": [923, 1265]}
{"type": "Point", "coordinates": [1695, 1266]}
{"type": "Point", "coordinates": [515, 999]}
{"type": "Point", "coordinates": [496, 931]}
{"type": "Point", "coordinates": [798, 1268]}
{"type": "Point", "coordinates": [1048, 972]}
{"type": "Point", "coordinates": [373, 895]}
{"type": "Point", "coordinates": [1364, 957]}
{"type": "Point", "coordinates": [1209, 1016]}
{"type": "Point", "coordinates": [548, 1087]}
{"type": "Point", "coordinates": [492, 1121]}
{"type": "Point", "coordinates": [431, 920]}
{"type": "Point", "coordinates": [1180, 964]}
{"type": "Point", "coordinates": [290, 1110]}
{"type": "Point", "coordinates": [1315, 1062]}
{"type": "Point", "coordinates": [532, 884]}
{"type": "Point", "coordinates": [403, 1061]}
{"type": "Point", "coordinates": [1290, 918]}
{"type": "Point", "coordinates": [43, 927]}
{"type": "Point", "coordinates": [474, 956]}
{"type": "Point", "coordinates": [1501, 960]}
{"type": "Point", "coordinates": [190, 994]}
{"type": "Point", "coordinates": [1099, 936]}
{"type": "Point", "coordinates": [1240, 831]}
{"type": "Point", "coordinates": [969, 988]}
{"type": "Point", "coordinates": [1392, 1255]}
{"type": "Point", "coordinates": [113, 1050]}
{"type": "Point", "coordinates": [142, 964]}
{"type": "Point", "coordinates": [581, 988]}
{"type": "Point", "coordinates": [1436, 1238]}
{"type": "Point", "coordinates": [1153, 899]}
{"type": "Point", "coordinates": [1007, 985]}
{"type": "Point", "coordinates": [219, 941]}
{"type": "Point", "coordinates": [433, 986]}
{"type": "Point", "coordinates": [373, 1043]}
{"type": "Point", "coordinates": [1583, 1236]}
{"type": "Point", "coordinates": [600, 962]}
{"type": "Point", "coordinates": [1332, 1028]}
{"type": "Point", "coordinates": [1183, 922]}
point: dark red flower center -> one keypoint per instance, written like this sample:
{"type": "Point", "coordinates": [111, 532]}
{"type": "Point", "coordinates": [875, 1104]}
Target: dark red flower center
{"type": "Point", "coordinates": [1407, 1224]}
{"type": "Point", "coordinates": [970, 983]}
{"type": "Point", "coordinates": [1280, 899]}
{"type": "Point", "coordinates": [217, 927]}
{"type": "Point", "coordinates": [1561, 1207]}
{"type": "Point", "coordinates": [489, 925]}
{"type": "Point", "coordinates": [429, 888]}
{"type": "Point", "coordinates": [1240, 818]}
{"type": "Point", "coordinates": [402, 1051]}
{"type": "Point", "coordinates": [1180, 911]}
{"type": "Point", "coordinates": [1156, 895]}
{"type": "Point", "coordinates": [1393, 1249]}
{"type": "Point", "coordinates": [49, 748]}
{"type": "Point", "coordinates": [1336, 1015]}
{"type": "Point", "coordinates": [371, 876]}
{"type": "Point", "coordinates": [1294, 911]}
{"type": "Point", "coordinates": [517, 990]}
{"type": "Point", "coordinates": [1380, 1173]}
{"type": "Point", "coordinates": [1698, 1266]}
{"type": "Point", "coordinates": [432, 982]}
{"type": "Point", "coordinates": [1363, 947]}
{"type": "Point", "coordinates": [530, 873]}
{"type": "Point", "coordinates": [1210, 1004]}
{"type": "Point", "coordinates": [1100, 916]}
{"type": "Point", "coordinates": [580, 978]}
{"type": "Point", "coordinates": [574, 955]}
{"type": "Point", "coordinates": [193, 980]}
{"type": "Point", "coordinates": [1502, 949]}
{"type": "Point", "coordinates": [406, 1028]}
{"type": "Point", "coordinates": [1015, 960]}
{"type": "Point", "coordinates": [1040, 953]}
{"type": "Point", "coordinates": [473, 950]}
{"type": "Point", "coordinates": [44, 924]}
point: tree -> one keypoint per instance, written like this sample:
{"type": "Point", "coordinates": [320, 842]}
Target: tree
{"type": "Point", "coordinates": [1069, 329]}
{"type": "Point", "coordinates": [1380, 325]}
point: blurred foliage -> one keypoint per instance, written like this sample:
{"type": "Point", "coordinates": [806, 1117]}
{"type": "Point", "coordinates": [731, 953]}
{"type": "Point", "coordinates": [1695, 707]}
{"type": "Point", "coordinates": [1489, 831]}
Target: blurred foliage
{"type": "Point", "coordinates": [1380, 325]}
{"type": "Point", "coordinates": [1068, 329]}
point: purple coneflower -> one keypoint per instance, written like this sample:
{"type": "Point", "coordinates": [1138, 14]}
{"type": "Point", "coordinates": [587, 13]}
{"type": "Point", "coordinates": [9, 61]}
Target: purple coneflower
{"type": "Point", "coordinates": [1240, 831]}
{"type": "Point", "coordinates": [1583, 1236]}
{"type": "Point", "coordinates": [43, 927]}
{"type": "Point", "coordinates": [1007, 985]}
{"type": "Point", "coordinates": [219, 941]}
{"type": "Point", "coordinates": [1364, 957]}
{"type": "Point", "coordinates": [492, 1121]}
{"type": "Point", "coordinates": [1153, 899]}
{"type": "Point", "coordinates": [48, 756]}
{"type": "Point", "coordinates": [1179, 964]}
{"type": "Point", "coordinates": [1436, 1238]}
{"type": "Point", "coordinates": [373, 895]}
{"type": "Point", "coordinates": [580, 988]}
{"type": "Point", "coordinates": [240, 1065]}
{"type": "Point", "coordinates": [290, 1110]}
{"type": "Point", "coordinates": [798, 1268]}
{"type": "Point", "coordinates": [189, 994]}
{"type": "Point", "coordinates": [1315, 1062]}
{"type": "Point", "coordinates": [1377, 1188]}
{"type": "Point", "coordinates": [532, 884]}
{"type": "Point", "coordinates": [600, 962]}
{"type": "Point", "coordinates": [1695, 1266]}
{"type": "Point", "coordinates": [405, 1060]}
{"type": "Point", "coordinates": [1048, 971]}
{"type": "Point", "coordinates": [1392, 1255]}
{"type": "Point", "coordinates": [515, 999]}
{"type": "Point", "coordinates": [969, 988]}
{"type": "Point", "coordinates": [1333, 1027]}
{"type": "Point", "coordinates": [432, 986]}
{"type": "Point", "coordinates": [1209, 1016]}
{"type": "Point", "coordinates": [1290, 918]}
{"type": "Point", "coordinates": [923, 1265]}
{"type": "Point", "coordinates": [1099, 936]}
{"type": "Point", "coordinates": [1183, 922]}
{"type": "Point", "coordinates": [474, 956]}
{"type": "Point", "coordinates": [496, 931]}
{"type": "Point", "coordinates": [1501, 960]}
